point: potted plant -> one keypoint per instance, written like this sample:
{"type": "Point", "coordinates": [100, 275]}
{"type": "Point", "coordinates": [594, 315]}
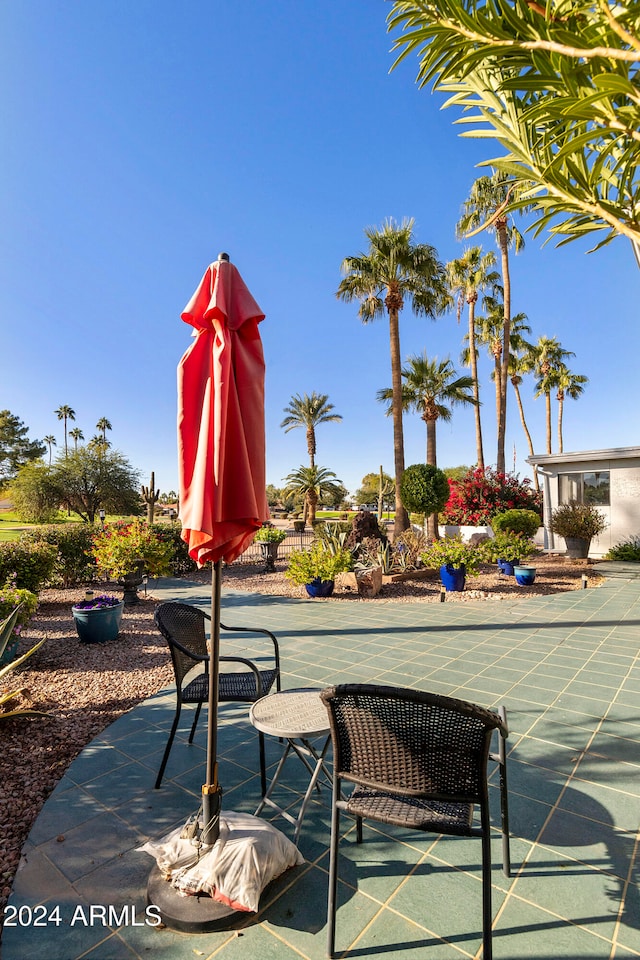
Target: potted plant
{"type": "Point", "coordinates": [455, 560]}
{"type": "Point", "coordinates": [124, 551]}
{"type": "Point", "coordinates": [525, 576]}
{"type": "Point", "coordinates": [97, 618]}
{"type": "Point", "coordinates": [577, 523]}
{"type": "Point", "coordinates": [270, 538]}
{"type": "Point", "coordinates": [507, 550]}
{"type": "Point", "coordinates": [316, 569]}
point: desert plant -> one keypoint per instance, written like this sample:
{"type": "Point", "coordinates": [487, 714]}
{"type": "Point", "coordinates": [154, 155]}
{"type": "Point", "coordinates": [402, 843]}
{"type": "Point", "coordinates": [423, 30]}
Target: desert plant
{"type": "Point", "coordinates": [578, 520]}
{"type": "Point", "coordinates": [525, 522]}
{"type": "Point", "coordinates": [507, 546]}
{"type": "Point", "coordinates": [119, 548]}
{"type": "Point", "coordinates": [150, 496]}
{"type": "Point", "coordinates": [455, 552]}
{"type": "Point", "coordinates": [7, 629]}
{"type": "Point", "coordinates": [627, 550]}
{"type": "Point", "coordinates": [372, 552]}
{"type": "Point", "coordinates": [318, 562]}
{"type": "Point", "coordinates": [407, 549]}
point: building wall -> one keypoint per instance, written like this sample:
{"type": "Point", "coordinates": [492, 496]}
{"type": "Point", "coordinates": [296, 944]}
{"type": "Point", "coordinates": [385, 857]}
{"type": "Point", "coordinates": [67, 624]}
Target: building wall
{"type": "Point", "coordinates": [623, 513]}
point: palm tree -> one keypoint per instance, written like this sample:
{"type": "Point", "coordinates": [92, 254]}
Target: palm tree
{"type": "Point", "coordinates": [50, 441]}
{"type": "Point", "coordinates": [102, 426]}
{"type": "Point", "coordinates": [468, 275]}
{"type": "Point", "coordinates": [431, 388]}
{"type": "Point", "coordinates": [99, 443]}
{"type": "Point", "coordinates": [490, 327]}
{"type": "Point", "coordinates": [76, 434]}
{"type": "Point", "coordinates": [65, 413]}
{"type": "Point", "coordinates": [485, 208]}
{"type": "Point", "coordinates": [308, 411]}
{"type": "Point", "coordinates": [521, 362]}
{"type": "Point", "coordinates": [549, 358]}
{"type": "Point", "coordinates": [393, 270]}
{"type": "Point", "coordinates": [312, 483]}
{"type": "Point", "coordinates": [569, 385]}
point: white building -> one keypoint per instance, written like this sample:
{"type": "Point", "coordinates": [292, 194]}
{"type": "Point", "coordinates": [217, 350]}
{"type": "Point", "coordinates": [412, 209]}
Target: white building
{"type": "Point", "coordinates": [608, 479]}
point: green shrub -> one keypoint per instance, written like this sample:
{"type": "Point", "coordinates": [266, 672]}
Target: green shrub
{"type": "Point", "coordinates": [118, 547]}
{"type": "Point", "coordinates": [424, 488]}
{"type": "Point", "coordinates": [579, 520]}
{"type": "Point", "coordinates": [73, 542]}
{"type": "Point", "coordinates": [270, 535]}
{"type": "Point", "coordinates": [318, 562]}
{"type": "Point", "coordinates": [171, 533]}
{"type": "Point", "coordinates": [507, 546]}
{"type": "Point", "coordinates": [525, 522]}
{"type": "Point", "coordinates": [12, 597]}
{"type": "Point", "coordinates": [28, 566]}
{"type": "Point", "coordinates": [627, 550]}
{"type": "Point", "coordinates": [454, 551]}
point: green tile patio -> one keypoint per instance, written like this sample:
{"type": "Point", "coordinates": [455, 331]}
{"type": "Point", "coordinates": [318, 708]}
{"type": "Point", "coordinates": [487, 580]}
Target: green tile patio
{"type": "Point", "coordinates": [567, 667]}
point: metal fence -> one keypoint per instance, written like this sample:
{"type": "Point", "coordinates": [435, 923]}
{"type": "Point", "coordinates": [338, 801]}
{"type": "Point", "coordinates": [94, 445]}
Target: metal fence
{"type": "Point", "coordinates": [293, 541]}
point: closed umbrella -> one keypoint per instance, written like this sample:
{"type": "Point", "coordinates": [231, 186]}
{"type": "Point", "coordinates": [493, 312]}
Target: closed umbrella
{"type": "Point", "coordinates": [221, 463]}
{"type": "Point", "coordinates": [221, 453]}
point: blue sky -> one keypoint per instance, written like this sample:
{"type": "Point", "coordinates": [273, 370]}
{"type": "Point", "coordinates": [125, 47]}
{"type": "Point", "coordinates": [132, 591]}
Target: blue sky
{"type": "Point", "coordinates": [141, 139]}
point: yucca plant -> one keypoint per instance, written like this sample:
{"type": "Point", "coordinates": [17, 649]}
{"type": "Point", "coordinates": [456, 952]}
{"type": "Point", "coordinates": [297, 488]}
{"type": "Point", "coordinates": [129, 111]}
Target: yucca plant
{"type": "Point", "coordinates": [6, 633]}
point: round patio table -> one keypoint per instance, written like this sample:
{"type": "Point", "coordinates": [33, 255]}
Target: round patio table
{"type": "Point", "coordinates": [299, 717]}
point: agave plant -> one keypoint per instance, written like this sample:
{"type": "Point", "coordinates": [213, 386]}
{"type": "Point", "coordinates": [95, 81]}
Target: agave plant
{"type": "Point", "coordinates": [6, 633]}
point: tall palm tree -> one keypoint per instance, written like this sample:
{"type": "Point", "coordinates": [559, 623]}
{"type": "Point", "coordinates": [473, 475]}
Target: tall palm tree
{"type": "Point", "coordinates": [485, 208]}
{"type": "Point", "coordinates": [65, 413]}
{"type": "Point", "coordinates": [99, 443]}
{"type": "Point", "coordinates": [102, 426]}
{"type": "Point", "coordinates": [431, 388]}
{"type": "Point", "coordinates": [521, 363]}
{"type": "Point", "coordinates": [312, 483]}
{"type": "Point", "coordinates": [490, 327]}
{"type": "Point", "coordinates": [549, 358]}
{"type": "Point", "coordinates": [50, 441]}
{"type": "Point", "coordinates": [395, 269]}
{"type": "Point", "coordinates": [76, 434]}
{"type": "Point", "coordinates": [569, 385]}
{"type": "Point", "coordinates": [468, 275]}
{"type": "Point", "coordinates": [308, 411]}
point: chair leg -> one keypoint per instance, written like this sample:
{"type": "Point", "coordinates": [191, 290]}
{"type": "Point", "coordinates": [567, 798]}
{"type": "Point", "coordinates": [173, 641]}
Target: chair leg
{"type": "Point", "coordinates": [167, 749]}
{"type": "Point", "coordinates": [487, 918]}
{"type": "Point", "coordinates": [504, 801]}
{"type": "Point", "coordinates": [332, 905]}
{"type": "Point", "coordinates": [195, 722]}
{"type": "Point", "coordinates": [358, 829]}
{"type": "Point", "coordinates": [263, 764]}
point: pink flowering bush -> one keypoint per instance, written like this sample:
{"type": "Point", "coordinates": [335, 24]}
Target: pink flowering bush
{"type": "Point", "coordinates": [119, 547]}
{"type": "Point", "coordinates": [480, 494]}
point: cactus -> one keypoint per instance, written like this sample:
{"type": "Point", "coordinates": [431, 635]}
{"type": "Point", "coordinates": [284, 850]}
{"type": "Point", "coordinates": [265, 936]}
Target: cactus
{"type": "Point", "coordinates": [150, 497]}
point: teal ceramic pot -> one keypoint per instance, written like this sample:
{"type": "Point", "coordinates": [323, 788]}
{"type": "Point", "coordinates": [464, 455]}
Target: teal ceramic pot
{"type": "Point", "coordinates": [453, 578]}
{"type": "Point", "coordinates": [10, 652]}
{"type": "Point", "coordinates": [525, 576]}
{"type": "Point", "coordinates": [99, 625]}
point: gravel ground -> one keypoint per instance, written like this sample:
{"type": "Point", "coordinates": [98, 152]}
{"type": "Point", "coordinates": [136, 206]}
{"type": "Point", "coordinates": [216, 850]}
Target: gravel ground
{"type": "Point", "coordinates": [84, 688]}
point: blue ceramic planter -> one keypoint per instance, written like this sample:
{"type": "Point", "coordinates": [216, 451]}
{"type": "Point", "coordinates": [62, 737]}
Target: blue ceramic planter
{"type": "Point", "coordinates": [525, 576]}
{"type": "Point", "coordinates": [99, 625]}
{"type": "Point", "coordinates": [506, 567]}
{"type": "Point", "coordinates": [453, 577]}
{"type": "Point", "coordinates": [320, 588]}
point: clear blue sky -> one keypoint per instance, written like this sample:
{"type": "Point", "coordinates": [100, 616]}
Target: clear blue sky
{"type": "Point", "coordinates": [140, 139]}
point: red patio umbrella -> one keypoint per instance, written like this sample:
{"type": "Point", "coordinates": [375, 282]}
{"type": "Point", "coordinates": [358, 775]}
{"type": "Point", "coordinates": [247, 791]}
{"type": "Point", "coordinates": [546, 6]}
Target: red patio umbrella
{"type": "Point", "coordinates": [221, 453]}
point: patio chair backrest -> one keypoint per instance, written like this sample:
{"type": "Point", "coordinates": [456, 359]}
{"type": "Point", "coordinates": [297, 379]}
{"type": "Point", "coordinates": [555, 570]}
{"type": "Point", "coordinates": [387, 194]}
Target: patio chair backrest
{"type": "Point", "coordinates": [413, 743]}
{"type": "Point", "coordinates": [185, 624]}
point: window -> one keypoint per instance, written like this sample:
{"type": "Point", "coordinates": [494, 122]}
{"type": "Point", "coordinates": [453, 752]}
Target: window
{"type": "Point", "coordinates": [592, 488]}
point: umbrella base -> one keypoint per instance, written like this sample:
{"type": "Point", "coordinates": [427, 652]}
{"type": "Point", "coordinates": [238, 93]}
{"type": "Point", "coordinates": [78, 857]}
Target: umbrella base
{"type": "Point", "coordinates": [189, 914]}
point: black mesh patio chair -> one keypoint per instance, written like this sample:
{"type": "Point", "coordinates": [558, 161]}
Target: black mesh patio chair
{"type": "Point", "coordinates": [418, 761]}
{"type": "Point", "coordinates": [184, 627]}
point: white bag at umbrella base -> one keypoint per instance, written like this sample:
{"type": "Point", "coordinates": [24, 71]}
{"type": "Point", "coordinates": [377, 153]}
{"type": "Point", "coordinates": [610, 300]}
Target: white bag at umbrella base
{"type": "Point", "coordinates": [248, 854]}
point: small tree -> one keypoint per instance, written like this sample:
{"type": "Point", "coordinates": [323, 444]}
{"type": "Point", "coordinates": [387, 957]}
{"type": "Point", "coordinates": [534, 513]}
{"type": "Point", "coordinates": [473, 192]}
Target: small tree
{"type": "Point", "coordinates": [424, 489]}
{"type": "Point", "coordinates": [15, 447]}
{"type": "Point", "coordinates": [92, 478]}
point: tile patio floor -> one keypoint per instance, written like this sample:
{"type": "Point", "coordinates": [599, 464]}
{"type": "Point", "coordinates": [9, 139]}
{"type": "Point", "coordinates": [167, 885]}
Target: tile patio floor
{"type": "Point", "coordinates": [567, 667]}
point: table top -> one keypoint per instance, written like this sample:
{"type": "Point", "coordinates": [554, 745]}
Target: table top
{"type": "Point", "coordinates": [291, 714]}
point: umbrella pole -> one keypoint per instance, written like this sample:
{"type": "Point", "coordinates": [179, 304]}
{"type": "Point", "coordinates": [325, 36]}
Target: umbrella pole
{"type": "Point", "coordinates": [211, 790]}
